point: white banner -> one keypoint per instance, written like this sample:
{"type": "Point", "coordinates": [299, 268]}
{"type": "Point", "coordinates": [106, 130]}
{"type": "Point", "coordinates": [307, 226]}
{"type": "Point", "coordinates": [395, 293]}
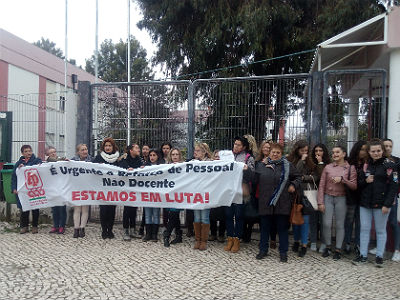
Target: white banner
{"type": "Point", "coordinates": [192, 185]}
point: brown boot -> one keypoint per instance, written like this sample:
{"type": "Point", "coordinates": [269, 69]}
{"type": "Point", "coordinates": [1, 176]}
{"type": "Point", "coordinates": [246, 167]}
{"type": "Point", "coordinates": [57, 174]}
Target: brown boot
{"type": "Point", "coordinates": [236, 245]}
{"type": "Point", "coordinates": [23, 230]}
{"type": "Point", "coordinates": [197, 235]}
{"type": "Point", "coordinates": [35, 230]}
{"type": "Point", "coordinates": [205, 229]}
{"type": "Point", "coordinates": [229, 244]}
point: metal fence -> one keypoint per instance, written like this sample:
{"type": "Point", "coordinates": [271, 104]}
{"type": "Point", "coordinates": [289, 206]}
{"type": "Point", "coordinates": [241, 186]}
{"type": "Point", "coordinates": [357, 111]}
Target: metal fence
{"type": "Point", "coordinates": [267, 107]}
{"type": "Point", "coordinates": [210, 110]}
{"type": "Point", "coordinates": [37, 120]}
{"type": "Point", "coordinates": [158, 113]}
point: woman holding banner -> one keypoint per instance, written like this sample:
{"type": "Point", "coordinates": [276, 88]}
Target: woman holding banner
{"type": "Point", "coordinates": [81, 213]}
{"type": "Point", "coordinates": [132, 161]}
{"type": "Point", "coordinates": [152, 214]}
{"type": "Point", "coordinates": [174, 157]}
{"type": "Point", "coordinates": [27, 159]}
{"type": "Point", "coordinates": [234, 213]}
{"type": "Point", "coordinates": [108, 155]}
{"type": "Point", "coordinates": [201, 216]}
{"type": "Point", "coordinates": [59, 213]}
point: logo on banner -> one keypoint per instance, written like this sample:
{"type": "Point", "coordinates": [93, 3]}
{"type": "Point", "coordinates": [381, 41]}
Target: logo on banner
{"type": "Point", "coordinates": [34, 184]}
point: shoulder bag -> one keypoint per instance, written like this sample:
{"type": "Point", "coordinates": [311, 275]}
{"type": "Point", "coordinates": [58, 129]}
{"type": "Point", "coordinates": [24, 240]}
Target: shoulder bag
{"type": "Point", "coordinates": [312, 194]}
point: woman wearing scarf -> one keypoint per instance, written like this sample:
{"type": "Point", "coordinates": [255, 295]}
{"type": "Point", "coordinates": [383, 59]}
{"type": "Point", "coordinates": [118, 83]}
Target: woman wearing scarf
{"type": "Point", "coordinates": [278, 179]}
{"type": "Point", "coordinates": [109, 155]}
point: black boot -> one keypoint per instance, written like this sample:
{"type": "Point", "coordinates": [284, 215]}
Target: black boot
{"type": "Point", "coordinates": [76, 233]}
{"type": "Point", "coordinates": [166, 236]}
{"type": "Point", "coordinates": [147, 237]}
{"type": "Point", "coordinates": [154, 235]}
{"type": "Point", "coordinates": [82, 232]}
{"type": "Point", "coordinates": [295, 247]}
{"type": "Point", "coordinates": [141, 230]}
{"type": "Point", "coordinates": [178, 237]}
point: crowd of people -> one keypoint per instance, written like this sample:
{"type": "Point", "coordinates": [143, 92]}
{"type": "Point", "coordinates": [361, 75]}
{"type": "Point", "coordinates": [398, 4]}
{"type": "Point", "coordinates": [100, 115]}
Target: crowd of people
{"type": "Point", "coordinates": [351, 191]}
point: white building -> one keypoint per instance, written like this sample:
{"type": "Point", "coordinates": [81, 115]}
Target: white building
{"type": "Point", "coordinates": [32, 88]}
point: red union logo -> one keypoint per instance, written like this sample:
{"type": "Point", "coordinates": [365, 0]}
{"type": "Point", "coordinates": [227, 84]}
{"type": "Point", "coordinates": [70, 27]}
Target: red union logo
{"type": "Point", "coordinates": [32, 179]}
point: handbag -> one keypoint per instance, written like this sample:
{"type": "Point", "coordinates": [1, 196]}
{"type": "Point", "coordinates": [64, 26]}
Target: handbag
{"type": "Point", "coordinates": [296, 216]}
{"type": "Point", "coordinates": [312, 194]}
{"type": "Point", "coordinates": [250, 210]}
{"type": "Point", "coordinates": [308, 208]}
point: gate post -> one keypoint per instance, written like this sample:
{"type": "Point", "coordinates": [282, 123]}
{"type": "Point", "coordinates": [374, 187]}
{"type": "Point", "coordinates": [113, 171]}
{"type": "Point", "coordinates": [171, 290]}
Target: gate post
{"type": "Point", "coordinates": [84, 115]}
{"type": "Point", "coordinates": [191, 120]}
{"type": "Point", "coordinates": [316, 108]}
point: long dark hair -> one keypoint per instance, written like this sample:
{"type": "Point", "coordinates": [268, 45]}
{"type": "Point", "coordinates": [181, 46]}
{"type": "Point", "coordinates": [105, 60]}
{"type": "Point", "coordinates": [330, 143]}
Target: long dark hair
{"type": "Point", "coordinates": [325, 157]}
{"type": "Point", "coordinates": [294, 156]}
{"type": "Point", "coordinates": [355, 152]}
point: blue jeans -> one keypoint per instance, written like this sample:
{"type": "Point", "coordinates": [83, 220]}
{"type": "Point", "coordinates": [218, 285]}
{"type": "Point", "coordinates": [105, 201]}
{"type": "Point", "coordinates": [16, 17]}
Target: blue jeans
{"type": "Point", "coordinates": [202, 216]}
{"type": "Point", "coordinates": [301, 231]}
{"type": "Point", "coordinates": [282, 226]}
{"type": "Point", "coordinates": [395, 225]}
{"type": "Point", "coordinates": [380, 220]}
{"type": "Point", "coordinates": [152, 215]}
{"type": "Point", "coordinates": [234, 228]}
{"type": "Point", "coordinates": [59, 216]}
{"type": "Point", "coordinates": [352, 217]}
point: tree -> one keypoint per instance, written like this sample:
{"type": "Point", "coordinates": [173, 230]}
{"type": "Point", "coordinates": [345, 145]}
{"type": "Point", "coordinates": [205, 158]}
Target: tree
{"type": "Point", "coordinates": [112, 62]}
{"type": "Point", "coordinates": [50, 47]}
{"type": "Point", "coordinates": [199, 35]}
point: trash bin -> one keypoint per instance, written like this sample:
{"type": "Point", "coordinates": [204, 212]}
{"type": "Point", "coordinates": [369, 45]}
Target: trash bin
{"type": "Point", "coordinates": [6, 174]}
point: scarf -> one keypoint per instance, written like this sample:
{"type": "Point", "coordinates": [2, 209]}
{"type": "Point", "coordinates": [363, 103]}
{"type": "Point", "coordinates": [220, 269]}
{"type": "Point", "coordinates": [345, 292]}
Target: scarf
{"type": "Point", "coordinates": [282, 181]}
{"type": "Point", "coordinates": [110, 158]}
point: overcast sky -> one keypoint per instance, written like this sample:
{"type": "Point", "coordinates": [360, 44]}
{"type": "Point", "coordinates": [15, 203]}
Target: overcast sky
{"type": "Point", "coordinates": [33, 19]}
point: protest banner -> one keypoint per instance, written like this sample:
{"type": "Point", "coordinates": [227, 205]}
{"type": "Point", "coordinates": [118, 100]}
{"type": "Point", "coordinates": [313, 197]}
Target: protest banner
{"type": "Point", "coordinates": [190, 185]}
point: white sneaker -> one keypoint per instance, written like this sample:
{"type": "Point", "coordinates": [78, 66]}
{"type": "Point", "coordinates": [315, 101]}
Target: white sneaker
{"type": "Point", "coordinates": [322, 248]}
{"type": "Point", "coordinates": [396, 256]}
{"type": "Point", "coordinates": [313, 247]}
{"type": "Point", "coordinates": [372, 251]}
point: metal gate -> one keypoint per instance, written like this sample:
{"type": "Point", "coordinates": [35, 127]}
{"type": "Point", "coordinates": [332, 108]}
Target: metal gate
{"type": "Point", "coordinates": [354, 106]}
{"type": "Point", "coordinates": [267, 107]}
{"type": "Point", "coordinates": [208, 110]}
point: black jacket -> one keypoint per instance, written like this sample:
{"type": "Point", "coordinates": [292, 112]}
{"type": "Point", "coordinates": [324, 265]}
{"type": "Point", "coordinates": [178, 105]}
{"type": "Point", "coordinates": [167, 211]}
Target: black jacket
{"type": "Point", "coordinates": [382, 191]}
{"type": "Point", "coordinates": [131, 162]}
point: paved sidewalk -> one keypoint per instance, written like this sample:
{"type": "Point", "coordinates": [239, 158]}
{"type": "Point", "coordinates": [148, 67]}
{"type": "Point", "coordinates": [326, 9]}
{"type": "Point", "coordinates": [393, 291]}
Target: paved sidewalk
{"type": "Point", "coordinates": [45, 266]}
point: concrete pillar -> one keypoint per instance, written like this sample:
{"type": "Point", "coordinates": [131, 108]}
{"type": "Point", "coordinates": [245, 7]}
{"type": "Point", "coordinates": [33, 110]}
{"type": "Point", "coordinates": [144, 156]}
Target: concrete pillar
{"type": "Point", "coordinates": [84, 115]}
{"type": "Point", "coordinates": [393, 123]}
{"type": "Point", "coordinates": [352, 137]}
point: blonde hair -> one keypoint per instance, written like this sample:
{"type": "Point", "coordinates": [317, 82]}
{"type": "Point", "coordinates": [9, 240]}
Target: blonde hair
{"type": "Point", "coordinates": [169, 156]}
{"type": "Point", "coordinates": [207, 152]}
{"type": "Point", "coordinates": [214, 154]}
{"type": "Point", "coordinates": [252, 144]}
{"type": "Point", "coordinates": [261, 154]}
{"type": "Point", "coordinates": [79, 147]}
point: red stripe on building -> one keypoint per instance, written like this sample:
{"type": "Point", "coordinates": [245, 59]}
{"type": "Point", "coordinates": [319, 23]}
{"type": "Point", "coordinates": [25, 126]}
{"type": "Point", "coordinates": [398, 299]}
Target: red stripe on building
{"type": "Point", "coordinates": [42, 117]}
{"type": "Point", "coordinates": [3, 85]}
